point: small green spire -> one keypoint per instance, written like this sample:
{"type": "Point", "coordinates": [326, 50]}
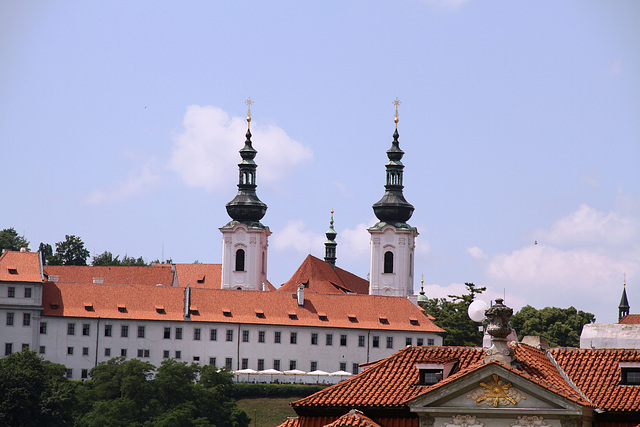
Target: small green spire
{"type": "Point", "coordinates": [330, 244]}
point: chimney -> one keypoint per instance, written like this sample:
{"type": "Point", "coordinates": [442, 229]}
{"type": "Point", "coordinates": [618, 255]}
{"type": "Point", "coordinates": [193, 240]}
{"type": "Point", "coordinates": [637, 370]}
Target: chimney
{"type": "Point", "coordinates": [499, 328]}
{"type": "Point", "coordinates": [301, 295]}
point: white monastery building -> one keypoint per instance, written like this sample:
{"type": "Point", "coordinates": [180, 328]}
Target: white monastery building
{"type": "Point", "coordinates": [228, 315]}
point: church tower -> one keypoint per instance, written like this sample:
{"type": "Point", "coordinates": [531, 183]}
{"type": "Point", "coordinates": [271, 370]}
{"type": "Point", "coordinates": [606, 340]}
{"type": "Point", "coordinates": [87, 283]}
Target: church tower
{"type": "Point", "coordinates": [623, 307]}
{"type": "Point", "coordinates": [244, 238]}
{"type": "Point", "coordinates": [392, 239]}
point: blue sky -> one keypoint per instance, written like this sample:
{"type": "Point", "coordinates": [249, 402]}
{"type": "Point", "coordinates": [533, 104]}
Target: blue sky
{"type": "Point", "coordinates": [120, 123]}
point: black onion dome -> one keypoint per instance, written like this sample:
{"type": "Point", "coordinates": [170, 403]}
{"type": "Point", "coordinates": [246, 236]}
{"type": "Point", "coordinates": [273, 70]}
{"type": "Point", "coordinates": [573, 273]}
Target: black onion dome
{"type": "Point", "coordinates": [393, 207]}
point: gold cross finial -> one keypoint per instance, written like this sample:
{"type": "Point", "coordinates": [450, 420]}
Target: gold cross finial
{"type": "Point", "coordinates": [249, 103]}
{"type": "Point", "coordinates": [396, 102]}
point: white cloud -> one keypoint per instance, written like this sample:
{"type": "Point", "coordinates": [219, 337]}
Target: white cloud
{"type": "Point", "coordinates": [138, 182]}
{"type": "Point", "coordinates": [205, 153]}
{"type": "Point", "coordinates": [477, 253]}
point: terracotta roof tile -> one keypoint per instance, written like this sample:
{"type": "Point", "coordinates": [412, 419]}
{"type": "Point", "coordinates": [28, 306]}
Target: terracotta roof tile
{"type": "Point", "coordinates": [20, 267]}
{"type": "Point", "coordinates": [597, 373]}
{"type": "Point", "coordinates": [113, 301]}
{"type": "Point", "coordinates": [318, 276]}
{"type": "Point", "coordinates": [282, 308]}
{"type": "Point", "coordinates": [199, 275]}
{"type": "Point", "coordinates": [630, 319]}
{"type": "Point", "coordinates": [354, 418]}
{"type": "Point", "coordinates": [113, 275]}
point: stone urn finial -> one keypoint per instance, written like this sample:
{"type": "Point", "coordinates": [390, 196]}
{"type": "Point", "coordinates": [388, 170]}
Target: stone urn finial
{"type": "Point", "coordinates": [499, 328]}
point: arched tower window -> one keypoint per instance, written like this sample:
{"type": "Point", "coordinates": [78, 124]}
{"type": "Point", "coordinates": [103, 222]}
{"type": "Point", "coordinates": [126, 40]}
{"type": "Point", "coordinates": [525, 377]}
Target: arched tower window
{"type": "Point", "coordinates": [240, 260]}
{"type": "Point", "coordinates": [388, 262]}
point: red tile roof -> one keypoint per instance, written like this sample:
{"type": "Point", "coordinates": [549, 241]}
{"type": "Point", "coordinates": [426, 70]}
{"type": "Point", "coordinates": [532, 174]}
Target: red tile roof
{"type": "Point", "coordinates": [631, 319]}
{"type": "Point", "coordinates": [320, 277]}
{"type": "Point", "coordinates": [20, 267]}
{"type": "Point", "coordinates": [597, 373]}
{"type": "Point", "coordinates": [113, 275]}
{"type": "Point", "coordinates": [113, 301]}
{"type": "Point", "coordinates": [354, 418]}
{"type": "Point", "coordinates": [390, 382]}
{"type": "Point", "coordinates": [199, 275]}
{"type": "Point", "coordinates": [282, 308]}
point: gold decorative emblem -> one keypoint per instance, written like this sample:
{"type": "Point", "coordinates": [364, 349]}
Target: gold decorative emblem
{"type": "Point", "coordinates": [496, 393]}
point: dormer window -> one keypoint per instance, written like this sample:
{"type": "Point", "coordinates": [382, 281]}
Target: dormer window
{"type": "Point", "coordinates": [13, 270]}
{"type": "Point", "coordinates": [323, 317]}
{"type": "Point", "coordinates": [160, 309]}
{"type": "Point", "coordinates": [260, 314]}
{"type": "Point", "coordinates": [352, 318]}
{"type": "Point", "coordinates": [88, 306]}
{"type": "Point", "coordinates": [384, 320]}
{"type": "Point", "coordinates": [226, 312]}
{"type": "Point", "coordinates": [122, 308]}
{"type": "Point", "coordinates": [630, 373]}
{"type": "Point", "coordinates": [293, 316]}
{"type": "Point", "coordinates": [431, 373]}
{"type": "Point", "coordinates": [413, 321]}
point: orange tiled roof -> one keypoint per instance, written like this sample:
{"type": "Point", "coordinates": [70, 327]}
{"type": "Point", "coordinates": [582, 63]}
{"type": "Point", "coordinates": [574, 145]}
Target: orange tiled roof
{"type": "Point", "coordinates": [113, 275]}
{"type": "Point", "coordinates": [319, 310]}
{"type": "Point", "coordinates": [392, 381]}
{"type": "Point", "coordinates": [322, 421]}
{"type": "Point", "coordinates": [631, 319]}
{"type": "Point", "coordinates": [353, 418]}
{"type": "Point", "coordinates": [113, 301]}
{"type": "Point", "coordinates": [199, 275]}
{"type": "Point", "coordinates": [322, 278]}
{"type": "Point", "coordinates": [20, 267]}
{"type": "Point", "coordinates": [597, 373]}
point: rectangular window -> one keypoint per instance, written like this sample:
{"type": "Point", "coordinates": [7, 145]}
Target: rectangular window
{"type": "Point", "coordinates": [361, 340]}
{"type": "Point", "coordinates": [26, 319]}
{"type": "Point", "coordinates": [343, 366]}
{"type": "Point", "coordinates": [313, 367]}
{"type": "Point", "coordinates": [343, 340]}
{"type": "Point", "coordinates": [196, 358]}
{"type": "Point", "coordinates": [86, 329]}
{"type": "Point", "coordinates": [314, 341]}
{"type": "Point", "coordinates": [70, 351]}
{"type": "Point", "coordinates": [42, 349]}
{"type": "Point", "coordinates": [27, 292]}
{"type": "Point", "coordinates": [9, 319]}
{"type": "Point", "coordinates": [85, 351]}
{"type": "Point", "coordinates": [408, 341]}
{"type": "Point", "coordinates": [178, 354]}
{"type": "Point", "coordinates": [277, 337]}
{"type": "Point", "coordinates": [389, 342]}
{"type": "Point", "coordinates": [261, 336]}
{"type": "Point", "coordinates": [25, 346]}
{"type": "Point", "coordinates": [124, 331]}
{"type": "Point", "coordinates": [212, 361]}
{"type": "Point", "coordinates": [8, 348]}
{"type": "Point", "coordinates": [228, 363]}
{"type": "Point", "coordinates": [146, 353]}
{"type": "Point", "coordinates": [85, 374]}
{"type": "Point", "coordinates": [196, 334]}
{"type": "Point", "coordinates": [140, 331]}
{"type": "Point", "coordinates": [213, 334]}
{"type": "Point", "coordinates": [419, 341]}
{"type": "Point", "coordinates": [108, 330]}
{"type": "Point", "coordinates": [276, 364]}
{"type": "Point", "coordinates": [376, 342]}
{"type": "Point", "coordinates": [630, 375]}
{"type": "Point", "coordinates": [292, 364]}
{"type": "Point", "coordinates": [178, 333]}
{"type": "Point", "coordinates": [140, 352]}
{"type": "Point", "coordinates": [107, 352]}
{"type": "Point", "coordinates": [43, 328]}
{"type": "Point", "coordinates": [167, 334]}
{"type": "Point", "coordinates": [245, 363]}
{"type": "Point", "coordinates": [329, 340]}
{"type": "Point", "coordinates": [430, 341]}
{"type": "Point", "coordinates": [354, 369]}
{"type": "Point", "coordinates": [71, 328]}
{"type": "Point", "coordinates": [165, 354]}
{"type": "Point", "coordinates": [293, 339]}
{"type": "Point", "coordinates": [260, 364]}
{"type": "Point", "coordinates": [123, 352]}
{"type": "Point", "coordinates": [11, 292]}
{"type": "Point", "coordinates": [229, 334]}
{"type": "Point", "coordinates": [245, 336]}
{"type": "Point", "coordinates": [69, 373]}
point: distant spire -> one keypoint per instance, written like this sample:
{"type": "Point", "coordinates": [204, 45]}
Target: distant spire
{"type": "Point", "coordinates": [623, 308]}
{"type": "Point", "coordinates": [422, 298]}
{"type": "Point", "coordinates": [393, 207]}
{"type": "Point", "coordinates": [246, 207]}
{"type": "Point", "coordinates": [330, 244]}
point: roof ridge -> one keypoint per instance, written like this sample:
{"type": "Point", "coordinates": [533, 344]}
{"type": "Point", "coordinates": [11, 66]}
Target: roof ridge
{"type": "Point", "coordinates": [566, 377]}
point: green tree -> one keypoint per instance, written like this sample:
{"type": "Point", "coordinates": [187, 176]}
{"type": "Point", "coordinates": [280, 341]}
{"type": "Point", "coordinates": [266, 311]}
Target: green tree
{"type": "Point", "coordinates": [46, 252]}
{"type": "Point", "coordinates": [10, 240]}
{"type": "Point", "coordinates": [451, 315]}
{"type": "Point", "coordinates": [35, 392]}
{"type": "Point", "coordinates": [106, 258]}
{"type": "Point", "coordinates": [71, 251]}
{"type": "Point", "coordinates": [560, 326]}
